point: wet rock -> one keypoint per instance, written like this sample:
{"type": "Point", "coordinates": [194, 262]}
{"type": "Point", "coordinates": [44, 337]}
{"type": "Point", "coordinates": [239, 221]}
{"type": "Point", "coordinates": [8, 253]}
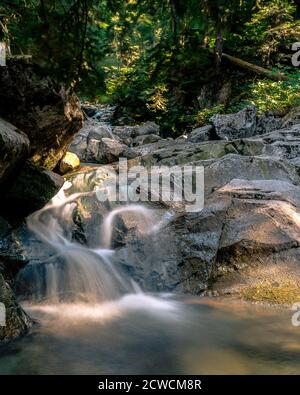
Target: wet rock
{"type": "Point", "coordinates": [49, 114]}
{"type": "Point", "coordinates": [69, 162]}
{"type": "Point", "coordinates": [233, 126]}
{"type": "Point", "coordinates": [14, 148]}
{"type": "Point", "coordinates": [17, 322]}
{"type": "Point", "coordinates": [30, 191]}
{"type": "Point", "coordinates": [247, 232]}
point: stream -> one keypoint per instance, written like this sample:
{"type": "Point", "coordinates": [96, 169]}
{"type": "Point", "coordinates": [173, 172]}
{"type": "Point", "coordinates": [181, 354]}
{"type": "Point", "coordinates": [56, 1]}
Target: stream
{"type": "Point", "coordinates": [93, 318]}
{"type": "Point", "coordinates": [143, 334]}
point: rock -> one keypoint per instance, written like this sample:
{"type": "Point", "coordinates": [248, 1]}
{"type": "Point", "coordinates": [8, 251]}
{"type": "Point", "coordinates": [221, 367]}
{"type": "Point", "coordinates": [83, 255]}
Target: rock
{"type": "Point", "coordinates": [14, 148]}
{"type": "Point", "coordinates": [296, 162]}
{"type": "Point", "coordinates": [4, 228]}
{"type": "Point", "coordinates": [199, 135]}
{"type": "Point", "coordinates": [88, 139]}
{"type": "Point", "coordinates": [30, 191]}
{"type": "Point", "coordinates": [260, 238]}
{"type": "Point", "coordinates": [148, 128]}
{"type": "Point", "coordinates": [146, 139]}
{"type": "Point", "coordinates": [17, 321]}
{"type": "Point", "coordinates": [69, 162]}
{"type": "Point", "coordinates": [282, 143]}
{"type": "Point", "coordinates": [180, 153]}
{"type": "Point", "coordinates": [89, 109]}
{"type": "Point", "coordinates": [247, 232]}
{"type": "Point", "coordinates": [233, 126]}
{"type": "Point", "coordinates": [221, 171]}
{"type": "Point", "coordinates": [267, 122]}
{"type": "Point", "coordinates": [79, 145]}
{"type": "Point", "coordinates": [48, 114]}
{"type": "Point", "coordinates": [107, 151]}
{"type": "Point", "coordinates": [292, 118]}
{"type": "Point", "coordinates": [125, 133]}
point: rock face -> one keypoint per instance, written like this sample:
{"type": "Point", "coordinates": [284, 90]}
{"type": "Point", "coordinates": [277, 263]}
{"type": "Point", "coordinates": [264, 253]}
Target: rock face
{"type": "Point", "coordinates": [17, 322]}
{"type": "Point", "coordinates": [233, 126]}
{"type": "Point", "coordinates": [48, 114]}
{"type": "Point", "coordinates": [248, 231]}
{"type": "Point", "coordinates": [14, 148]}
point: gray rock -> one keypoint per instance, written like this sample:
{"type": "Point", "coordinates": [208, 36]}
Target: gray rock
{"type": "Point", "coordinates": [282, 143]}
{"type": "Point", "coordinates": [14, 148]}
{"type": "Point", "coordinates": [247, 232]}
{"type": "Point", "coordinates": [267, 122]}
{"type": "Point", "coordinates": [148, 128]}
{"type": "Point", "coordinates": [125, 133]}
{"type": "Point", "coordinates": [201, 134]}
{"type": "Point", "coordinates": [88, 139]}
{"type": "Point", "coordinates": [221, 171]}
{"type": "Point", "coordinates": [234, 126]}
{"type": "Point", "coordinates": [107, 151]}
{"type": "Point", "coordinates": [146, 139]}
{"type": "Point", "coordinates": [292, 118]}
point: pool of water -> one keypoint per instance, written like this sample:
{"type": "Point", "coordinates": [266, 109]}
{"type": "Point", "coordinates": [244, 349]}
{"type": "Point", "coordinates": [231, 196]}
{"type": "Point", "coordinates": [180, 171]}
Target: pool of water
{"type": "Point", "coordinates": [142, 334]}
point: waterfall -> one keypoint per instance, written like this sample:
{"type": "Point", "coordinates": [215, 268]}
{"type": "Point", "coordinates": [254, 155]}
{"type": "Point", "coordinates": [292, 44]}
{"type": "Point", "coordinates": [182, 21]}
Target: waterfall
{"type": "Point", "coordinates": [76, 273]}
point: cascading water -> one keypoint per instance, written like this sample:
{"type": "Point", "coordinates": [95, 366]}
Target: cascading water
{"type": "Point", "coordinates": [75, 272]}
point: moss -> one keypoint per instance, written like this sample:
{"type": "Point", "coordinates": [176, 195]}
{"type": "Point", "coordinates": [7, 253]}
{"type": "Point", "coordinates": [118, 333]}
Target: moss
{"type": "Point", "coordinates": [287, 292]}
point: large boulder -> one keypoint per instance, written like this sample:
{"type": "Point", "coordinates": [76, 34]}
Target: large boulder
{"type": "Point", "coordinates": [248, 232]}
{"type": "Point", "coordinates": [30, 191]}
{"type": "Point", "coordinates": [147, 128]}
{"type": "Point", "coordinates": [16, 321]}
{"type": "Point", "coordinates": [14, 148]}
{"type": "Point", "coordinates": [49, 114]}
{"type": "Point", "coordinates": [233, 126]}
{"type": "Point", "coordinates": [107, 150]}
{"type": "Point", "coordinates": [205, 133]}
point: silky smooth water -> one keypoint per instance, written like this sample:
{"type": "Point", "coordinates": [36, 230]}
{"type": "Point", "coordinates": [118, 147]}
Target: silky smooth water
{"type": "Point", "coordinates": [142, 334]}
{"type": "Point", "coordinates": [93, 319]}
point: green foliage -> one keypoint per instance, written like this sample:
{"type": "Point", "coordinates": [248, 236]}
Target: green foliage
{"type": "Point", "coordinates": [153, 59]}
{"type": "Point", "coordinates": [203, 116]}
{"type": "Point", "coordinates": [268, 95]}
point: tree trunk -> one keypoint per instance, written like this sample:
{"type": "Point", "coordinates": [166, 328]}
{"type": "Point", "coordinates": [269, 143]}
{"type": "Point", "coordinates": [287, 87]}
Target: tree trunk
{"type": "Point", "coordinates": [255, 69]}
